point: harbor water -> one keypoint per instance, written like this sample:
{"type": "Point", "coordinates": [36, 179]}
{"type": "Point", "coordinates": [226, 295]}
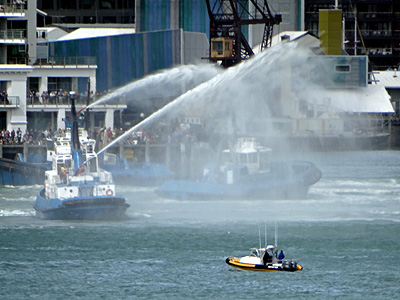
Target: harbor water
{"type": "Point", "coordinates": [346, 235]}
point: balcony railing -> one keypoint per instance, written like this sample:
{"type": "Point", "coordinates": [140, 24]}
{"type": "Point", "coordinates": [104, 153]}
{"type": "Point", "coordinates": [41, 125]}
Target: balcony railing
{"type": "Point", "coordinates": [67, 61]}
{"type": "Point", "coordinates": [10, 101]}
{"type": "Point", "coordinates": [18, 8]}
{"type": "Point", "coordinates": [349, 34]}
{"type": "Point", "coordinates": [12, 34]}
{"type": "Point", "coordinates": [14, 61]}
{"type": "Point", "coordinates": [53, 99]}
{"type": "Point", "coordinates": [52, 61]}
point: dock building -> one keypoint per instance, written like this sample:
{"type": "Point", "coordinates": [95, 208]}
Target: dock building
{"type": "Point", "coordinates": [36, 88]}
{"type": "Point", "coordinates": [167, 33]}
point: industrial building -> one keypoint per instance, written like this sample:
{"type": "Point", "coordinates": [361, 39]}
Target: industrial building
{"type": "Point", "coordinates": [165, 34]}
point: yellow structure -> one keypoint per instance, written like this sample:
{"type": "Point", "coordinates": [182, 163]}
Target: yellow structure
{"type": "Point", "coordinates": [221, 47]}
{"type": "Point", "coordinates": [330, 31]}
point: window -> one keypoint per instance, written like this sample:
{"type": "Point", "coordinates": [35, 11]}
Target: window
{"type": "Point", "coordinates": [47, 4]}
{"type": "Point", "coordinates": [87, 4]}
{"type": "Point", "coordinates": [89, 19]}
{"type": "Point", "coordinates": [227, 46]}
{"type": "Point", "coordinates": [68, 4]}
{"type": "Point", "coordinates": [107, 4]}
{"type": "Point", "coordinates": [109, 19]}
{"type": "Point", "coordinates": [33, 83]}
{"type": "Point", "coordinates": [217, 46]}
{"type": "Point", "coordinates": [243, 158]}
{"type": "Point", "coordinates": [57, 83]}
{"type": "Point", "coordinates": [342, 68]}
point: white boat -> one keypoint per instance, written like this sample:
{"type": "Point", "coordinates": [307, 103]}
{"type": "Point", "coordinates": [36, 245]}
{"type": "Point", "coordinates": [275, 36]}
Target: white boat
{"type": "Point", "coordinates": [264, 259]}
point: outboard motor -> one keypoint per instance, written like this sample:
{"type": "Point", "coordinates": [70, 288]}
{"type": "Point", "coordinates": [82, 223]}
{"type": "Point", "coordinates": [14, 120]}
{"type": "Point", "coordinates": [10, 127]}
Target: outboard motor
{"type": "Point", "coordinates": [289, 265]}
{"type": "Point", "coordinates": [293, 265]}
{"type": "Point", "coordinates": [286, 265]}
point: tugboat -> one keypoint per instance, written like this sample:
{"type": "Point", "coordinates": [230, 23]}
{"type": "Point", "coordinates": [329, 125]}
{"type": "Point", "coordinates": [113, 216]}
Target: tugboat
{"type": "Point", "coordinates": [246, 172]}
{"type": "Point", "coordinates": [264, 259]}
{"type": "Point", "coordinates": [126, 172]}
{"type": "Point", "coordinates": [76, 188]}
{"type": "Point", "coordinates": [18, 172]}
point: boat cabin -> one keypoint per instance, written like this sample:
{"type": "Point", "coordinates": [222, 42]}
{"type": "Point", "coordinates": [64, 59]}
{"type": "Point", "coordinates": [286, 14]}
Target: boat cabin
{"type": "Point", "coordinates": [266, 255]}
{"type": "Point", "coordinates": [271, 250]}
{"type": "Point", "coordinates": [89, 155]}
{"type": "Point", "coordinates": [261, 256]}
{"type": "Point", "coordinates": [62, 157]}
{"type": "Point", "coordinates": [247, 152]}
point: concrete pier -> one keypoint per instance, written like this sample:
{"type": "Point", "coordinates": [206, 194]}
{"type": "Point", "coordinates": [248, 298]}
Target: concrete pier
{"type": "Point", "coordinates": [185, 158]}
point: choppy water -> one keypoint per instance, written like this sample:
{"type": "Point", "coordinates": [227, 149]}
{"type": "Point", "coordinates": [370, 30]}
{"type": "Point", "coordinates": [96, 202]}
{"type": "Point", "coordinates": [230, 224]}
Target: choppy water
{"type": "Point", "coordinates": [346, 235]}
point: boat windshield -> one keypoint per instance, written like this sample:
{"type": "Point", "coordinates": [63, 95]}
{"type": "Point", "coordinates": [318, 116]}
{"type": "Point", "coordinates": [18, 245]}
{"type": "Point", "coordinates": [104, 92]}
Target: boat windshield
{"type": "Point", "coordinates": [254, 252]}
{"type": "Point", "coordinates": [265, 159]}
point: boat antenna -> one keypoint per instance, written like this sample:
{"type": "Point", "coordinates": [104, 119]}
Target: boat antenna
{"type": "Point", "coordinates": [259, 235]}
{"type": "Point", "coordinates": [265, 234]}
{"type": "Point", "coordinates": [276, 234]}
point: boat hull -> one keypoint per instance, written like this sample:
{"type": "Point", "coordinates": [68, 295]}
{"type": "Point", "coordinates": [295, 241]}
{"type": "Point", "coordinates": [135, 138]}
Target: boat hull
{"type": "Point", "coordinates": [18, 173]}
{"type": "Point", "coordinates": [290, 267]}
{"type": "Point", "coordinates": [285, 181]}
{"type": "Point", "coordinates": [191, 190]}
{"type": "Point", "coordinates": [82, 208]}
{"type": "Point", "coordinates": [139, 174]}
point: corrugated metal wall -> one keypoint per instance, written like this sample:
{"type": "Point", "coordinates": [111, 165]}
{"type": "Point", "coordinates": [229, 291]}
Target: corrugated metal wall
{"type": "Point", "coordinates": [190, 15]}
{"type": "Point", "coordinates": [123, 58]}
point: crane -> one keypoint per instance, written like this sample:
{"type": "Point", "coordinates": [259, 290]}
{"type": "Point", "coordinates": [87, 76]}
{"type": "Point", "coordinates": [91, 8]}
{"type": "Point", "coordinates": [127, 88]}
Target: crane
{"type": "Point", "coordinates": [228, 44]}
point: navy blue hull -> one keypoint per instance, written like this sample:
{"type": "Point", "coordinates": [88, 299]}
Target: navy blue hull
{"type": "Point", "coordinates": [21, 173]}
{"type": "Point", "coordinates": [285, 181]}
{"type": "Point", "coordinates": [85, 208]}
{"type": "Point", "coordinates": [139, 174]}
{"type": "Point", "coordinates": [103, 212]}
{"type": "Point", "coordinates": [192, 190]}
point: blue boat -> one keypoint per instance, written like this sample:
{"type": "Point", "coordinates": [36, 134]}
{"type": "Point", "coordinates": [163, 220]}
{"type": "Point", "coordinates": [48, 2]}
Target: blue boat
{"type": "Point", "coordinates": [17, 172]}
{"type": "Point", "coordinates": [76, 188]}
{"type": "Point", "coordinates": [246, 172]}
{"type": "Point", "coordinates": [135, 173]}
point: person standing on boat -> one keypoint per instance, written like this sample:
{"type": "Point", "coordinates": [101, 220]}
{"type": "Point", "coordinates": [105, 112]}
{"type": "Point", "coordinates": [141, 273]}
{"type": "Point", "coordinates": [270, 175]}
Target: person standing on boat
{"type": "Point", "coordinates": [281, 256]}
{"type": "Point", "coordinates": [63, 174]}
{"type": "Point", "coordinates": [266, 257]}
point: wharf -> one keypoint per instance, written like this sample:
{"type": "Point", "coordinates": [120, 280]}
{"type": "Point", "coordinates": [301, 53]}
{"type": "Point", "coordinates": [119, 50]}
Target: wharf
{"type": "Point", "coordinates": [184, 159]}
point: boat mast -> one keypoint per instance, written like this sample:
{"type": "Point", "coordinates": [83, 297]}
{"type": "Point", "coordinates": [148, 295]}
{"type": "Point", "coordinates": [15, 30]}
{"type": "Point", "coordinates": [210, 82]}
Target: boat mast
{"type": "Point", "coordinates": [75, 143]}
{"type": "Point", "coordinates": [74, 129]}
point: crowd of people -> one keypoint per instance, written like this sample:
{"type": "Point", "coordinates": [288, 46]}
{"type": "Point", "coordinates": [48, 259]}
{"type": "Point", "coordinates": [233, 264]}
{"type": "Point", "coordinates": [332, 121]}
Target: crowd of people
{"type": "Point", "coordinates": [4, 98]}
{"type": "Point", "coordinates": [58, 97]}
{"type": "Point", "coordinates": [13, 137]}
{"type": "Point", "coordinates": [103, 136]}
{"type": "Point", "coordinates": [17, 137]}
{"type": "Point", "coordinates": [54, 97]}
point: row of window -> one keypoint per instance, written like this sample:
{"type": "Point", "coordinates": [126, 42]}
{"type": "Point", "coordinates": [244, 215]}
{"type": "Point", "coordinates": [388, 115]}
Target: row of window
{"type": "Point", "coordinates": [354, 6]}
{"type": "Point", "coordinates": [93, 19]}
{"type": "Point", "coordinates": [85, 4]}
